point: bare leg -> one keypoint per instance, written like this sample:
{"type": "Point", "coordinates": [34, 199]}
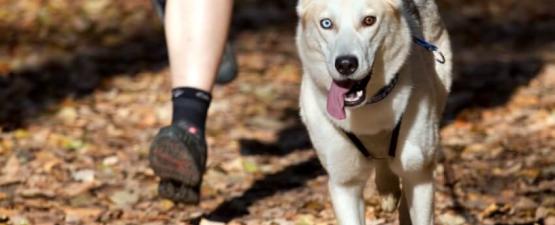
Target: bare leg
{"type": "Point", "coordinates": [196, 32]}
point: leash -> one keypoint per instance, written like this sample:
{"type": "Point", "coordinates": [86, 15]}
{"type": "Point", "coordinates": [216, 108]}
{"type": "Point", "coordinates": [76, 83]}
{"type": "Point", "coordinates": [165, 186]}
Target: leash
{"type": "Point", "coordinates": [440, 58]}
{"type": "Point", "coordinates": [382, 94]}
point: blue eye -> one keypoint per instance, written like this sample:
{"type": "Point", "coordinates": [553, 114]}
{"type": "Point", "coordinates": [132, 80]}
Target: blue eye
{"type": "Point", "coordinates": [326, 23]}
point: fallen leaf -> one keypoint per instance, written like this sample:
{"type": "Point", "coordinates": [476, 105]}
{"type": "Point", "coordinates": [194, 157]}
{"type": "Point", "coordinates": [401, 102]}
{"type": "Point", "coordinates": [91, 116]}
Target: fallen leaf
{"type": "Point", "coordinates": [36, 193]}
{"type": "Point", "coordinates": [75, 189]}
{"type": "Point", "coordinates": [72, 144]}
{"type": "Point", "coordinates": [525, 203]}
{"type": "Point", "coordinates": [81, 214]}
{"type": "Point", "coordinates": [95, 7]}
{"type": "Point", "coordinates": [165, 204]}
{"type": "Point", "coordinates": [82, 200]}
{"type": "Point", "coordinates": [316, 206]}
{"type": "Point", "coordinates": [48, 160]}
{"type": "Point", "coordinates": [19, 220]}
{"type": "Point", "coordinates": [10, 172]}
{"type": "Point", "coordinates": [21, 134]}
{"type": "Point", "coordinates": [124, 199]}
{"type": "Point", "coordinates": [68, 115]}
{"type": "Point", "coordinates": [84, 175]}
{"type": "Point", "coordinates": [250, 166]}
{"type": "Point", "coordinates": [494, 209]}
{"type": "Point", "coordinates": [304, 220]}
{"type": "Point", "coordinates": [110, 161]}
{"type": "Point", "coordinates": [208, 222]}
{"type": "Point", "coordinates": [233, 165]}
{"type": "Point", "coordinates": [451, 219]}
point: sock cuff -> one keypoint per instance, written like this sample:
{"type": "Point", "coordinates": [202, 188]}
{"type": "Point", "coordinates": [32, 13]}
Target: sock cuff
{"type": "Point", "coordinates": [191, 93]}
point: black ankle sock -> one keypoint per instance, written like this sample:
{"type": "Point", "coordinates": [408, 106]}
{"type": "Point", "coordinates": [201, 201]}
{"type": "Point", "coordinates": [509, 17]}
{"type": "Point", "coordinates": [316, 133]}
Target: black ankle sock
{"type": "Point", "coordinates": [190, 105]}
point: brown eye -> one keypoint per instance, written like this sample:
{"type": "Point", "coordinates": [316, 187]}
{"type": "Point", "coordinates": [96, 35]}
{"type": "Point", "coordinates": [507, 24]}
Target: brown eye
{"type": "Point", "coordinates": [369, 21]}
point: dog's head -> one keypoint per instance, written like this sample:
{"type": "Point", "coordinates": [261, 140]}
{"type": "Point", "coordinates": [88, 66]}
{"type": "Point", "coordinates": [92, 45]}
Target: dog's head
{"type": "Point", "coordinates": [360, 43]}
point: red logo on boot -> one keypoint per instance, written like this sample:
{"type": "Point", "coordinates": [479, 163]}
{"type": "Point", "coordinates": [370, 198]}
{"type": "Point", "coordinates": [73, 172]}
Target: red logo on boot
{"type": "Point", "coordinates": [192, 130]}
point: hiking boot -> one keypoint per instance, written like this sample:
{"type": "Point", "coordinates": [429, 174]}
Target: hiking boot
{"type": "Point", "coordinates": [228, 67]}
{"type": "Point", "coordinates": [178, 156]}
{"type": "Point", "coordinates": [178, 192]}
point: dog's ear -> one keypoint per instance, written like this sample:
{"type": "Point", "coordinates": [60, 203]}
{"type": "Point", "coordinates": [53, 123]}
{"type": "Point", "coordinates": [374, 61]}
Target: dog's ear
{"type": "Point", "coordinates": [302, 10]}
{"type": "Point", "coordinates": [398, 38]}
{"type": "Point", "coordinates": [301, 6]}
{"type": "Point", "coordinates": [396, 4]}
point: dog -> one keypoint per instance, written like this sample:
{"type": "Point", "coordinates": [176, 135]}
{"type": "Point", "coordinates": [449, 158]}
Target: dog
{"type": "Point", "coordinates": [372, 95]}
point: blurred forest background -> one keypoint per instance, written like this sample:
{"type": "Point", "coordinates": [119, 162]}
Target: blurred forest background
{"type": "Point", "coordinates": [84, 87]}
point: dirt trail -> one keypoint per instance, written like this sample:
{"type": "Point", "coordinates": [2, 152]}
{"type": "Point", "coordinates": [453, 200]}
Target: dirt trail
{"type": "Point", "coordinates": [80, 101]}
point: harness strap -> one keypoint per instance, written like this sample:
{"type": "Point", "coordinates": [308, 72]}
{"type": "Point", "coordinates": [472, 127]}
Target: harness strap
{"type": "Point", "coordinates": [392, 143]}
{"type": "Point", "coordinates": [360, 146]}
{"type": "Point", "coordinates": [394, 139]}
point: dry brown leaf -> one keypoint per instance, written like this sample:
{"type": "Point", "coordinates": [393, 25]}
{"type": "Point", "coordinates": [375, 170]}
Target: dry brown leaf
{"type": "Point", "coordinates": [82, 214]}
{"type": "Point", "coordinates": [10, 171]}
{"type": "Point", "coordinates": [125, 198]}
{"type": "Point", "coordinates": [208, 222]}
{"type": "Point", "coordinates": [98, 106]}
{"type": "Point", "coordinates": [74, 189]}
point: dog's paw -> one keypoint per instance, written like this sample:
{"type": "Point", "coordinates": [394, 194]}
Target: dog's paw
{"type": "Point", "coordinates": [389, 202]}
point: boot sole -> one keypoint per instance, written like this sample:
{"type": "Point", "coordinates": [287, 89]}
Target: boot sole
{"type": "Point", "coordinates": [170, 157]}
{"type": "Point", "coordinates": [178, 192]}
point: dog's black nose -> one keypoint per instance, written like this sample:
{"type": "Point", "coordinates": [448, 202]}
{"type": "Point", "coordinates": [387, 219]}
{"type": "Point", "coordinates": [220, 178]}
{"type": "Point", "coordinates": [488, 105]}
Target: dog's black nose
{"type": "Point", "coordinates": [346, 65]}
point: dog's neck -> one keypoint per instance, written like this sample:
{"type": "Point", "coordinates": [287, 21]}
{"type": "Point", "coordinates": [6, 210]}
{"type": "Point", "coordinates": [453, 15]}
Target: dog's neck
{"type": "Point", "coordinates": [384, 91]}
{"type": "Point", "coordinates": [381, 116]}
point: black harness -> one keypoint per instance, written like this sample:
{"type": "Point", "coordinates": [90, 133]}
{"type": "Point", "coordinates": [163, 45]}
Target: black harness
{"type": "Point", "coordinates": [364, 151]}
{"type": "Point", "coordinates": [382, 94]}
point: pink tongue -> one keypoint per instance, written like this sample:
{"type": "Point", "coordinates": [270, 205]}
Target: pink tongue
{"type": "Point", "coordinates": [336, 99]}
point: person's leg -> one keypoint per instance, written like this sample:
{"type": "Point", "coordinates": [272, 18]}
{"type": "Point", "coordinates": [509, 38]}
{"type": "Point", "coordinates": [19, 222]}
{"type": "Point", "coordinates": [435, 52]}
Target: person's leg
{"type": "Point", "coordinates": [196, 32]}
{"type": "Point", "coordinates": [228, 67]}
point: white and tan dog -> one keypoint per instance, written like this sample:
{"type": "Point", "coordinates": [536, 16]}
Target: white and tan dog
{"type": "Point", "coordinates": [367, 71]}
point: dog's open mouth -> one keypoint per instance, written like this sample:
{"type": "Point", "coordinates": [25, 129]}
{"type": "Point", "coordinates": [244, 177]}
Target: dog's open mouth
{"type": "Point", "coordinates": [357, 93]}
{"type": "Point", "coordinates": [348, 93]}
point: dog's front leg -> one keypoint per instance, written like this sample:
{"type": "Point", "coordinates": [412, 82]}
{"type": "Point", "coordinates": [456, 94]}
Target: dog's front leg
{"type": "Point", "coordinates": [419, 198]}
{"type": "Point", "coordinates": [388, 186]}
{"type": "Point", "coordinates": [404, 214]}
{"type": "Point", "coordinates": [348, 173]}
{"type": "Point", "coordinates": [348, 203]}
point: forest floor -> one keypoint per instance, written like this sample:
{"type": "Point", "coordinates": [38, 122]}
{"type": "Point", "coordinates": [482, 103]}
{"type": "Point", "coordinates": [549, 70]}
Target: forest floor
{"type": "Point", "coordinates": [84, 86]}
